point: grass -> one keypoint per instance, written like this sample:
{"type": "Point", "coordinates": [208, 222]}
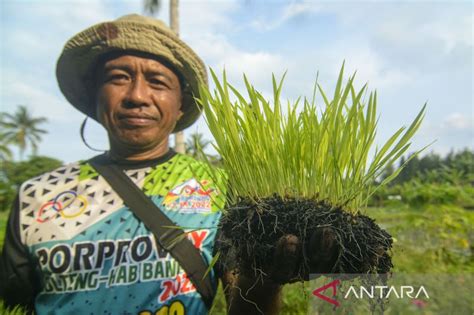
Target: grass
{"type": "Point", "coordinates": [429, 239]}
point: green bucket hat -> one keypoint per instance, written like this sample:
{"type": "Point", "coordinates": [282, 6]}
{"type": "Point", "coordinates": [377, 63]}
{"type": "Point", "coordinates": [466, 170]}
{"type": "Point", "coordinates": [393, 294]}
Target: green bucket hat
{"type": "Point", "coordinates": [76, 65]}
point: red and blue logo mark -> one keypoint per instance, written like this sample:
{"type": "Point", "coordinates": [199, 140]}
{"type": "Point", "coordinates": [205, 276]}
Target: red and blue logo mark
{"type": "Point", "coordinates": [68, 204]}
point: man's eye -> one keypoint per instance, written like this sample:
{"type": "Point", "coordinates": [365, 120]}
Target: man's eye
{"type": "Point", "coordinates": [157, 82]}
{"type": "Point", "coordinates": [117, 78]}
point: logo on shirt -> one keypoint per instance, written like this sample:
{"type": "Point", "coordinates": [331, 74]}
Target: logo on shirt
{"type": "Point", "coordinates": [67, 204]}
{"type": "Point", "coordinates": [190, 197]}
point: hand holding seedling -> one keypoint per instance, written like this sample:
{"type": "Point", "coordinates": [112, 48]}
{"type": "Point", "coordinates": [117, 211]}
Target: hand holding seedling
{"type": "Point", "coordinates": [246, 285]}
{"type": "Point", "coordinates": [320, 254]}
{"type": "Point", "coordinates": [300, 177]}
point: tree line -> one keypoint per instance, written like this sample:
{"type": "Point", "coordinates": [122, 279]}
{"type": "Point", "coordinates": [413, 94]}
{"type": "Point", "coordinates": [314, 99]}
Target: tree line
{"type": "Point", "coordinates": [430, 180]}
{"type": "Point", "coordinates": [455, 167]}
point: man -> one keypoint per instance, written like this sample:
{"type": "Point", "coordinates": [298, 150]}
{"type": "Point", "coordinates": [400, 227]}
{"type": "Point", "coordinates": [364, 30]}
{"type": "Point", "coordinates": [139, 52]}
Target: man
{"type": "Point", "coordinates": [72, 244]}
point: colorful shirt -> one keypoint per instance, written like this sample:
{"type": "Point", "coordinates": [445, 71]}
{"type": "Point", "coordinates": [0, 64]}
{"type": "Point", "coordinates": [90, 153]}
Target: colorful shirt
{"type": "Point", "coordinates": [91, 254]}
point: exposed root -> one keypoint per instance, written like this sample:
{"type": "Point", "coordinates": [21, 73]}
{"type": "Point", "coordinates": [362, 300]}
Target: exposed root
{"type": "Point", "coordinates": [251, 229]}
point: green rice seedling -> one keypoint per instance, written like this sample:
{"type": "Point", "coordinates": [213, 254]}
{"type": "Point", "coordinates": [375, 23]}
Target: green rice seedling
{"type": "Point", "coordinates": [16, 310]}
{"type": "Point", "coordinates": [295, 167]}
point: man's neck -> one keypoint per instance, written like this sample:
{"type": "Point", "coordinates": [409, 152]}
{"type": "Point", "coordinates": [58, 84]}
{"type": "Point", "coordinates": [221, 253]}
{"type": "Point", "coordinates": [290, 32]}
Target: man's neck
{"type": "Point", "coordinates": [120, 153]}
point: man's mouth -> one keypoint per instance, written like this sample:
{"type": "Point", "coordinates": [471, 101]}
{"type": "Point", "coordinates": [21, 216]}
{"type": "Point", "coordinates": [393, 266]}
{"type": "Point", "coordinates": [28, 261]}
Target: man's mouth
{"type": "Point", "coordinates": [137, 120]}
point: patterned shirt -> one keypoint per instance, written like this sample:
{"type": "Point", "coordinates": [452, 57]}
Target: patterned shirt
{"type": "Point", "coordinates": [90, 254]}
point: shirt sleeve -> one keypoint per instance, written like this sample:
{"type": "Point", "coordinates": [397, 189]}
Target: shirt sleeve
{"type": "Point", "coordinates": [18, 285]}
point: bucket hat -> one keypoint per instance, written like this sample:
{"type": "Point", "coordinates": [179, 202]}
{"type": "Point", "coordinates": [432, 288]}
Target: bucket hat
{"type": "Point", "coordinates": [76, 65]}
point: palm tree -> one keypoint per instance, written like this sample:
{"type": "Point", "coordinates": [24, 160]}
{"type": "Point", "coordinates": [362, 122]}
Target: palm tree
{"type": "Point", "coordinates": [196, 144]}
{"type": "Point", "coordinates": [5, 152]}
{"type": "Point", "coordinates": [153, 6]}
{"type": "Point", "coordinates": [21, 129]}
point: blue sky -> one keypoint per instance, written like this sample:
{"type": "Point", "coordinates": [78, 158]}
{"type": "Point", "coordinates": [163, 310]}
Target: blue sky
{"type": "Point", "coordinates": [410, 51]}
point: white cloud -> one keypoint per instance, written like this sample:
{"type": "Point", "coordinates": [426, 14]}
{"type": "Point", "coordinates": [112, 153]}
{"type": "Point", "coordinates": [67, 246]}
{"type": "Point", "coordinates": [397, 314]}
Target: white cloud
{"type": "Point", "coordinates": [221, 55]}
{"type": "Point", "coordinates": [442, 29]}
{"type": "Point", "coordinates": [358, 56]}
{"type": "Point", "coordinates": [257, 66]}
{"type": "Point", "coordinates": [456, 130]}
{"type": "Point", "coordinates": [410, 36]}
{"type": "Point", "coordinates": [41, 101]}
{"type": "Point", "coordinates": [413, 35]}
{"type": "Point", "coordinates": [290, 11]}
{"type": "Point", "coordinates": [371, 67]}
{"type": "Point", "coordinates": [458, 121]}
{"type": "Point", "coordinates": [459, 32]}
{"type": "Point", "coordinates": [207, 34]}
{"type": "Point", "coordinates": [206, 16]}
{"type": "Point", "coordinates": [26, 41]}
{"type": "Point", "coordinates": [68, 17]}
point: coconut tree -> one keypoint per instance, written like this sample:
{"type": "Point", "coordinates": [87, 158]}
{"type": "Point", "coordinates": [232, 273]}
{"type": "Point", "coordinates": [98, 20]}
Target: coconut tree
{"type": "Point", "coordinates": [196, 144]}
{"type": "Point", "coordinates": [152, 7]}
{"type": "Point", "coordinates": [21, 129]}
{"type": "Point", "coordinates": [5, 152]}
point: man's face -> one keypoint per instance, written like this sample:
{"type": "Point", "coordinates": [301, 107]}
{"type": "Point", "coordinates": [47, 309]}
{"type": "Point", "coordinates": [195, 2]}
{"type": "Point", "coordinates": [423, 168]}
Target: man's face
{"type": "Point", "coordinates": [138, 102]}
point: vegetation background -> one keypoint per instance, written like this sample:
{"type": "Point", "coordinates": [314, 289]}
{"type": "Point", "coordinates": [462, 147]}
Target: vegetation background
{"type": "Point", "coordinates": [428, 208]}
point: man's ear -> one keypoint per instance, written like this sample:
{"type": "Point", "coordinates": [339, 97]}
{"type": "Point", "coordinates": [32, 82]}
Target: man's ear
{"type": "Point", "coordinates": [180, 114]}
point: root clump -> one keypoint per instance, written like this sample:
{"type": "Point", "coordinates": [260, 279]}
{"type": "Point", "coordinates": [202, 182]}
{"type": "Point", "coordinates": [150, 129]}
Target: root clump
{"type": "Point", "coordinates": [250, 230]}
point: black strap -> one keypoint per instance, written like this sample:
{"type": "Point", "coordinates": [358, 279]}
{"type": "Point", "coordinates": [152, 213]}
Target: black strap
{"type": "Point", "coordinates": [167, 234]}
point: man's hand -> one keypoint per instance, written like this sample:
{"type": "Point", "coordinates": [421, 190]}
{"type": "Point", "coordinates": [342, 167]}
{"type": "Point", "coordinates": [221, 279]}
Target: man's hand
{"type": "Point", "coordinates": [320, 253]}
{"type": "Point", "coordinates": [258, 291]}
{"type": "Point", "coordinates": [286, 260]}
{"type": "Point", "coordinates": [323, 251]}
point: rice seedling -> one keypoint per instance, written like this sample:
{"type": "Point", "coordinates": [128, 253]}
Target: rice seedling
{"type": "Point", "coordinates": [17, 310]}
{"type": "Point", "coordinates": [295, 168]}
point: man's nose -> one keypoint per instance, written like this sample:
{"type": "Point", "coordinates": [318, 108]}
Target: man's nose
{"type": "Point", "coordinates": [138, 93]}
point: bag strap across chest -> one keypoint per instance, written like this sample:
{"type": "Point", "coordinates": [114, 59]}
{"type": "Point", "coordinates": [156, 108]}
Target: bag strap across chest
{"type": "Point", "coordinates": [167, 234]}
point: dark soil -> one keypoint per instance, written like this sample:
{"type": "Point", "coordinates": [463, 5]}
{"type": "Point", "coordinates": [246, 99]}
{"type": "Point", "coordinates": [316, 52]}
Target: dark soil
{"type": "Point", "coordinates": [250, 230]}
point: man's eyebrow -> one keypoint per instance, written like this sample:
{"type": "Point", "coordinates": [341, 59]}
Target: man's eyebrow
{"type": "Point", "coordinates": [158, 73]}
{"type": "Point", "coordinates": [127, 68]}
{"type": "Point", "coordinates": [111, 67]}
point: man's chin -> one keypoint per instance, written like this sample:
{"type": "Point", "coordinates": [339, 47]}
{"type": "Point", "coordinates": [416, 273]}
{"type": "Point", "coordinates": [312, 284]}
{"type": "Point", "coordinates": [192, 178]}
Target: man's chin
{"type": "Point", "coordinates": [139, 143]}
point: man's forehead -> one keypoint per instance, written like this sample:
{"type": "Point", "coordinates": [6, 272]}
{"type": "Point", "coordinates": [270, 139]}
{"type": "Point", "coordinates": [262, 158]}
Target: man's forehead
{"type": "Point", "coordinates": [120, 58]}
{"type": "Point", "coordinates": [123, 57]}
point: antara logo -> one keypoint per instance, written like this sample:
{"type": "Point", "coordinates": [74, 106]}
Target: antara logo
{"type": "Point", "coordinates": [332, 285]}
{"type": "Point", "coordinates": [385, 292]}
{"type": "Point", "coordinates": [371, 292]}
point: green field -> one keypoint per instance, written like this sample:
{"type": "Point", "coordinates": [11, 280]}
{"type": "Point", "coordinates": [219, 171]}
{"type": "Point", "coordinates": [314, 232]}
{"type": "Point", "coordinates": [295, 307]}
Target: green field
{"type": "Point", "coordinates": [431, 239]}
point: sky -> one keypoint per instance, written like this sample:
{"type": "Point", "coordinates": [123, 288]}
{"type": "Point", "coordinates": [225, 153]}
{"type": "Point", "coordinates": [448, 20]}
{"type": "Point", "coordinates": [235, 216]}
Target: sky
{"type": "Point", "coordinates": [411, 52]}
